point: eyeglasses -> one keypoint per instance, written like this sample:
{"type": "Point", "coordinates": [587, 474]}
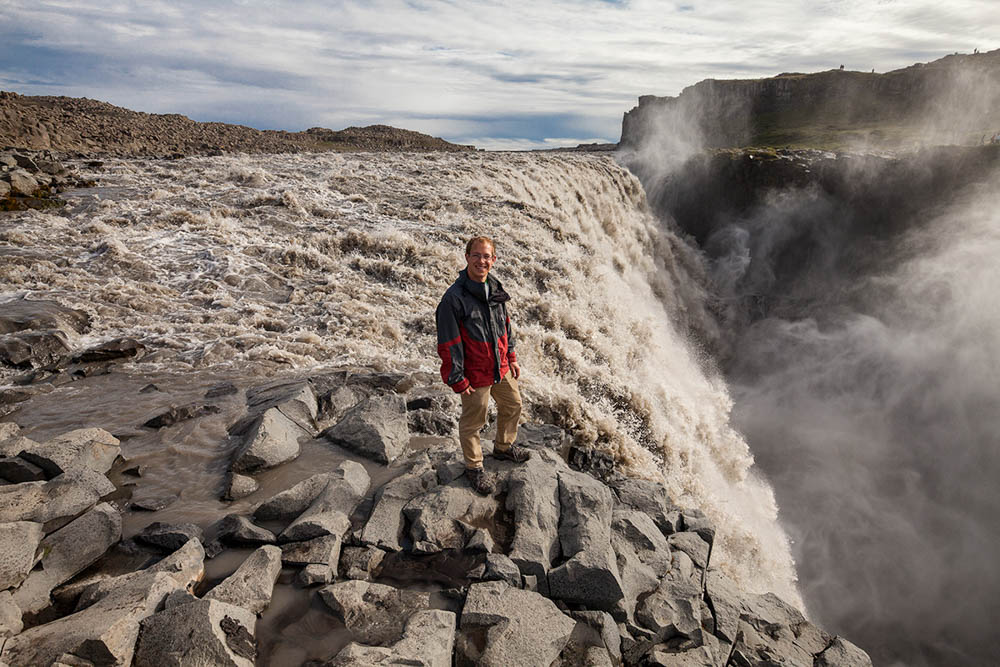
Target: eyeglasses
{"type": "Point", "coordinates": [477, 256]}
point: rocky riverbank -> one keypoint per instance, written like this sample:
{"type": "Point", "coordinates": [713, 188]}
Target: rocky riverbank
{"type": "Point", "coordinates": [569, 562]}
{"type": "Point", "coordinates": [91, 127]}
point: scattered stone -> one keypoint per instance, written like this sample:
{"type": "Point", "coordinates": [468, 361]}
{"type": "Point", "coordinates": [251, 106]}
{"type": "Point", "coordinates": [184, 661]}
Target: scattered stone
{"type": "Point", "coordinates": [374, 613]}
{"type": "Point", "coordinates": [522, 628]}
{"type": "Point", "coordinates": [149, 388]}
{"type": "Point", "coordinates": [19, 542]}
{"type": "Point", "coordinates": [480, 542]}
{"type": "Point", "coordinates": [152, 504]}
{"type": "Point", "coordinates": [605, 625]}
{"type": "Point", "coordinates": [498, 567]}
{"type": "Point", "coordinates": [62, 497]}
{"type": "Point", "coordinates": [296, 401]}
{"type": "Point", "coordinates": [22, 183]}
{"type": "Point", "coordinates": [384, 525]}
{"type": "Point", "coordinates": [252, 584]}
{"type": "Point", "coordinates": [169, 536]}
{"type": "Point", "coordinates": [177, 414]}
{"type": "Point", "coordinates": [67, 552]}
{"type": "Point", "coordinates": [428, 639]}
{"type": "Point", "coordinates": [294, 501]}
{"type": "Point", "coordinates": [91, 448]}
{"type": "Point", "coordinates": [203, 632]}
{"type": "Point", "coordinates": [314, 575]}
{"type": "Point", "coordinates": [272, 439]}
{"type": "Point", "coordinates": [239, 530]}
{"type": "Point", "coordinates": [240, 486]}
{"type": "Point", "coordinates": [104, 633]}
{"type": "Point", "coordinates": [329, 513]}
{"type": "Point", "coordinates": [360, 563]}
{"type": "Point", "coordinates": [376, 428]}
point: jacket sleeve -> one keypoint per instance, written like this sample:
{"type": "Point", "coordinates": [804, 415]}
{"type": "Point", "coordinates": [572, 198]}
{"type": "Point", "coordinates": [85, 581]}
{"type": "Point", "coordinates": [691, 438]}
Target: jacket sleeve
{"type": "Point", "coordinates": [450, 347]}
{"type": "Point", "coordinates": [511, 354]}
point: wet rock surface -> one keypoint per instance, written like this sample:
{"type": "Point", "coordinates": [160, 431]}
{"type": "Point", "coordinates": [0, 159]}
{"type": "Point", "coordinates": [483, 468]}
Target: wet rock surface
{"type": "Point", "coordinates": [403, 559]}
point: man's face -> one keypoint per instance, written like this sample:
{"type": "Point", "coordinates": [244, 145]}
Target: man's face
{"type": "Point", "coordinates": [480, 260]}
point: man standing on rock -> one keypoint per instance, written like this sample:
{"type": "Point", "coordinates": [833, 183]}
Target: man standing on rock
{"type": "Point", "coordinates": [476, 346]}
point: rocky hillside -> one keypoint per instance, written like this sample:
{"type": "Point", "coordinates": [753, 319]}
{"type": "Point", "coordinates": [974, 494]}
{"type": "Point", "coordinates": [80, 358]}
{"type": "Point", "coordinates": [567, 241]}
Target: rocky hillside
{"type": "Point", "coordinates": [89, 126]}
{"type": "Point", "coordinates": [952, 100]}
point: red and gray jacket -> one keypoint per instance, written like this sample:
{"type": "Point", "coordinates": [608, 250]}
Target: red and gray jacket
{"type": "Point", "coordinates": [475, 342]}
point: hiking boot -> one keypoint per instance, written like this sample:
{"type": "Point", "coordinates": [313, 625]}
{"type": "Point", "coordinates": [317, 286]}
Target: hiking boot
{"type": "Point", "coordinates": [480, 482]}
{"type": "Point", "coordinates": [513, 453]}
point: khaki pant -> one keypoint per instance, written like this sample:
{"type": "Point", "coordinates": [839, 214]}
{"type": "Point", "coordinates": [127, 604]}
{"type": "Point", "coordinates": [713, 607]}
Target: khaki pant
{"type": "Point", "coordinates": [474, 406]}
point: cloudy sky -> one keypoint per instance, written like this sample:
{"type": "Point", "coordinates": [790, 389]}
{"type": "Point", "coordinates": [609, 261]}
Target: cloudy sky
{"type": "Point", "coordinates": [519, 74]}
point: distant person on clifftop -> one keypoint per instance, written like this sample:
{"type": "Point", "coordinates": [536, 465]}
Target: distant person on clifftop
{"type": "Point", "coordinates": [476, 346]}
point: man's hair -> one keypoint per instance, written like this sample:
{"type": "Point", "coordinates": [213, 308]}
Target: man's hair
{"type": "Point", "coordinates": [480, 239]}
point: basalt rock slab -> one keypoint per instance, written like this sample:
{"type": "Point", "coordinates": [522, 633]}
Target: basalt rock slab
{"type": "Point", "coordinates": [590, 577]}
{"type": "Point", "coordinates": [376, 428]}
{"type": "Point", "coordinates": [498, 567]}
{"type": "Point", "coordinates": [202, 632]}
{"type": "Point", "coordinates": [769, 626]}
{"type": "Point", "coordinates": [169, 536]}
{"type": "Point", "coordinates": [186, 566]}
{"type": "Point", "coordinates": [603, 623]}
{"type": "Point", "coordinates": [650, 498]}
{"type": "Point", "coordinates": [374, 613]}
{"type": "Point", "coordinates": [385, 522]}
{"type": "Point", "coordinates": [91, 448]}
{"type": "Point", "coordinates": [16, 470]}
{"type": "Point", "coordinates": [34, 349]}
{"type": "Point", "coordinates": [292, 501]}
{"type": "Point", "coordinates": [842, 653]}
{"type": "Point", "coordinates": [176, 414]}
{"type": "Point", "coordinates": [674, 608]}
{"type": "Point", "coordinates": [443, 517]}
{"type": "Point", "coordinates": [56, 501]}
{"type": "Point", "coordinates": [295, 400]}
{"type": "Point", "coordinates": [270, 439]}
{"type": "Point", "coordinates": [522, 627]}
{"type": "Point", "coordinates": [533, 499]}
{"type": "Point", "coordinates": [428, 640]}
{"type": "Point", "coordinates": [693, 545]}
{"type": "Point", "coordinates": [29, 314]}
{"type": "Point", "coordinates": [19, 542]}
{"type": "Point", "coordinates": [239, 530]}
{"type": "Point", "coordinates": [112, 350]}
{"type": "Point", "coordinates": [642, 553]}
{"type": "Point", "coordinates": [252, 584]}
{"type": "Point", "coordinates": [360, 563]}
{"type": "Point", "coordinates": [67, 552]}
{"type": "Point", "coordinates": [323, 550]}
{"type": "Point", "coordinates": [239, 486]}
{"type": "Point", "coordinates": [104, 633]}
{"type": "Point", "coordinates": [330, 511]}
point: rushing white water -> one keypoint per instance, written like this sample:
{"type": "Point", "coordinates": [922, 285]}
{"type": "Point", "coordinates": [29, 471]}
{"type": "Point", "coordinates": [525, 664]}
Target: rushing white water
{"type": "Point", "coordinates": [267, 263]}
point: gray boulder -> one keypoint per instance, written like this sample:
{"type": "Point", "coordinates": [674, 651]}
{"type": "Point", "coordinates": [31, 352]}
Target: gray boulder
{"type": "Point", "coordinates": [293, 501]}
{"type": "Point", "coordinates": [650, 498]}
{"type": "Point", "coordinates": [169, 536]}
{"type": "Point", "coordinates": [674, 608]}
{"type": "Point", "coordinates": [104, 633]}
{"type": "Point", "coordinates": [376, 428]}
{"type": "Point", "coordinates": [67, 495]}
{"type": "Point", "coordinates": [442, 517]}
{"type": "Point", "coordinates": [385, 522]}
{"type": "Point", "coordinates": [330, 511]}
{"type": "Point", "coordinates": [603, 623]}
{"type": "Point", "coordinates": [533, 499]}
{"type": "Point", "coordinates": [239, 486]}
{"type": "Point", "coordinates": [323, 550]}
{"type": "Point", "coordinates": [16, 470]}
{"type": "Point", "coordinates": [252, 584]}
{"type": "Point", "coordinates": [498, 567]}
{"type": "Point", "coordinates": [522, 627]}
{"type": "Point", "coordinates": [374, 613]}
{"type": "Point", "coordinates": [842, 653]}
{"type": "Point", "coordinates": [295, 400]}
{"type": "Point", "coordinates": [22, 183]}
{"type": "Point", "coordinates": [19, 542]}
{"type": "Point", "coordinates": [238, 529]}
{"type": "Point", "coordinates": [314, 575]}
{"type": "Point", "coordinates": [202, 632]}
{"type": "Point", "coordinates": [270, 439]}
{"type": "Point", "coordinates": [693, 545]}
{"type": "Point", "coordinates": [770, 626]}
{"type": "Point", "coordinates": [724, 597]}
{"type": "Point", "coordinates": [590, 577]}
{"type": "Point", "coordinates": [67, 552]}
{"type": "Point", "coordinates": [428, 641]}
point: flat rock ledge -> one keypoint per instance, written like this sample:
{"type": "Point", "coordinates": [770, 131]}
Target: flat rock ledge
{"type": "Point", "coordinates": [558, 567]}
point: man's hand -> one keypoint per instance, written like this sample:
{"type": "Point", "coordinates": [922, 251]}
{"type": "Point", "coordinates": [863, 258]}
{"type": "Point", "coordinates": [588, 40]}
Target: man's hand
{"type": "Point", "coordinates": [469, 391]}
{"type": "Point", "coordinates": [515, 369]}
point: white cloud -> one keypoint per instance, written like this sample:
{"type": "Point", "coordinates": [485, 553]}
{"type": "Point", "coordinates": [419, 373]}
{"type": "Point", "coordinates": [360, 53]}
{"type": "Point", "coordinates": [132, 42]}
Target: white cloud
{"type": "Point", "coordinates": [577, 62]}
